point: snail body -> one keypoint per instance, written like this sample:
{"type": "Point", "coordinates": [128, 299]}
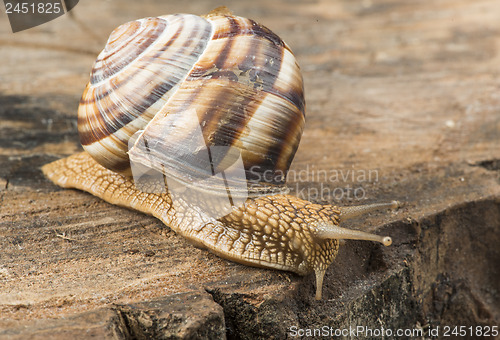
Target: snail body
{"type": "Point", "coordinates": [165, 91]}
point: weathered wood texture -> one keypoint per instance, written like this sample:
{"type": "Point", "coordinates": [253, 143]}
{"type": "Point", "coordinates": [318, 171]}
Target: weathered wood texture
{"type": "Point", "coordinates": [405, 93]}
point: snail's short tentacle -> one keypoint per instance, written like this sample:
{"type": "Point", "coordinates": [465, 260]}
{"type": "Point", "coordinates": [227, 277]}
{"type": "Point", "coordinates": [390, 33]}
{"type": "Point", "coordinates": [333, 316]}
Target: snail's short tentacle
{"type": "Point", "coordinates": [320, 274]}
{"type": "Point", "coordinates": [351, 212]}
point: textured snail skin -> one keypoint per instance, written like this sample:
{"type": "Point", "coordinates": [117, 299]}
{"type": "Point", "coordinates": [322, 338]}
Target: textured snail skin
{"type": "Point", "coordinates": [280, 231]}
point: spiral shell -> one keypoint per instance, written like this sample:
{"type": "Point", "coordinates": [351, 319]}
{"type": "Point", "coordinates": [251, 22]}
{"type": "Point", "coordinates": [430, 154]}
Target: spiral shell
{"type": "Point", "coordinates": [239, 78]}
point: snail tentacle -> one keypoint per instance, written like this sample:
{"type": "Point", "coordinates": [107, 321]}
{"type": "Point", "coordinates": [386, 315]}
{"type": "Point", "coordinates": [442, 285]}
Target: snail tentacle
{"type": "Point", "coordinates": [347, 213]}
{"type": "Point", "coordinates": [328, 231]}
{"type": "Point", "coordinates": [320, 274]}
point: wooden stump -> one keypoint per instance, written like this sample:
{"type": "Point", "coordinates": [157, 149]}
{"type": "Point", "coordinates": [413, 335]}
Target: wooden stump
{"type": "Point", "coordinates": [403, 102]}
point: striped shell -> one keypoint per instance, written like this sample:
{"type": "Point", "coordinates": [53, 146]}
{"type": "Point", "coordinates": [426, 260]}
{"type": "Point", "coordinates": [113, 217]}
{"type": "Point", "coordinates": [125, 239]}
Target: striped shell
{"type": "Point", "coordinates": [161, 79]}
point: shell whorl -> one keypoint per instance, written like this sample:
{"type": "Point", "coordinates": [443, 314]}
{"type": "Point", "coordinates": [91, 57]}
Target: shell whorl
{"type": "Point", "coordinates": [238, 77]}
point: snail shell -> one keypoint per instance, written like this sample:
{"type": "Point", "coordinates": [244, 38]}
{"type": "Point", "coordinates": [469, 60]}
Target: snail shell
{"type": "Point", "coordinates": [163, 84]}
{"type": "Point", "coordinates": [239, 78]}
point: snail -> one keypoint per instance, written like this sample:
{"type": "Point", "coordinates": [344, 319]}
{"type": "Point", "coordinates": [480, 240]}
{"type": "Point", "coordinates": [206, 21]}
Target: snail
{"type": "Point", "coordinates": [166, 92]}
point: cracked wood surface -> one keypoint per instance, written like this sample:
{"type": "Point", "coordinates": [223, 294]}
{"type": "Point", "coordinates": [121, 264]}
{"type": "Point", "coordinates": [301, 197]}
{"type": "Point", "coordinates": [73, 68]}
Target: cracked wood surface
{"type": "Point", "coordinates": [408, 90]}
